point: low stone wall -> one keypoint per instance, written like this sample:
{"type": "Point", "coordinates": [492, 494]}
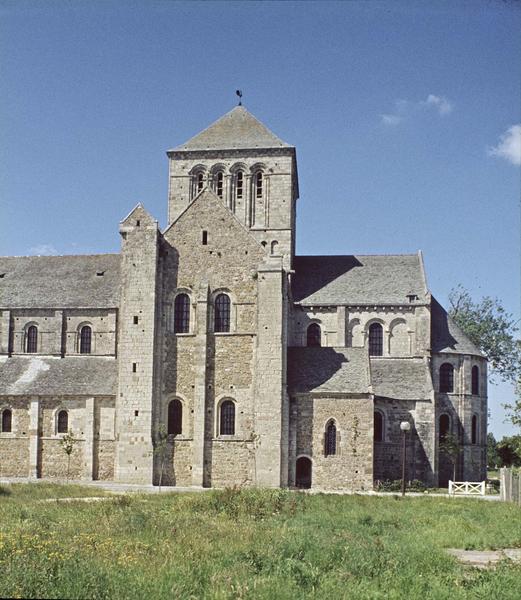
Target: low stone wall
{"type": "Point", "coordinates": [14, 456]}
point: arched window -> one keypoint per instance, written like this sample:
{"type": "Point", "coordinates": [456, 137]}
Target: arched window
{"type": "Point", "coordinates": [31, 340]}
{"type": "Point", "coordinates": [85, 339]}
{"type": "Point", "coordinates": [63, 421]}
{"type": "Point", "coordinates": [7, 421]}
{"type": "Point", "coordinates": [474, 431]}
{"type": "Point", "coordinates": [199, 182]}
{"type": "Point", "coordinates": [378, 426]}
{"type": "Point", "coordinates": [330, 439]}
{"type": "Point", "coordinates": [274, 247]}
{"type": "Point", "coordinates": [446, 378]}
{"type": "Point", "coordinates": [258, 184]}
{"type": "Point", "coordinates": [227, 418]}
{"type": "Point", "coordinates": [239, 185]}
{"type": "Point", "coordinates": [444, 427]}
{"type": "Point", "coordinates": [314, 335]}
{"type": "Point", "coordinates": [222, 313]}
{"type": "Point", "coordinates": [475, 380]}
{"type": "Point", "coordinates": [182, 313]}
{"type": "Point", "coordinates": [219, 184]}
{"type": "Point", "coordinates": [376, 339]}
{"type": "Point", "coordinates": [175, 417]}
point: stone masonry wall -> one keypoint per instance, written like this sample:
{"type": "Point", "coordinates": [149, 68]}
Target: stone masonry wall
{"type": "Point", "coordinates": [351, 468]}
{"type": "Point", "coordinates": [227, 263]}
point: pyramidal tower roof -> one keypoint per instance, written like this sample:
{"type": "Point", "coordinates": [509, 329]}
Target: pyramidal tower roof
{"type": "Point", "coordinates": [236, 130]}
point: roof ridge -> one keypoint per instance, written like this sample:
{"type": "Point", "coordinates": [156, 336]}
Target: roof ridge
{"type": "Point", "coordinates": [60, 255]}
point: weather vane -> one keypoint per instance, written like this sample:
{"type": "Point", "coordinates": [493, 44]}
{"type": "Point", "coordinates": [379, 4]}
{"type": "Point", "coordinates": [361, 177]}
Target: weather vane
{"type": "Point", "coordinates": [239, 93]}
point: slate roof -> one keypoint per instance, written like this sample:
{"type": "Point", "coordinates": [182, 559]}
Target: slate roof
{"type": "Point", "coordinates": [60, 281]}
{"type": "Point", "coordinates": [373, 279]}
{"type": "Point", "coordinates": [236, 130]}
{"type": "Point", "coordinates": [446, 336]}
{"type": "Point", "coordinates": [344, 370]}
{"type": "Point", "coordinates": [401, 378]}
{"type": "Point", "coordinates": [73, 375]}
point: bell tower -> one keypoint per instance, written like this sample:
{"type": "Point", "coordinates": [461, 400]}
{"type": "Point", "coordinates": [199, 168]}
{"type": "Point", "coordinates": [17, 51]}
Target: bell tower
{"type": "Point", "coordinates": [250, 169]}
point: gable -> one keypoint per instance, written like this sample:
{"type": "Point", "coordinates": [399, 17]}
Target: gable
{"type": "Point", "coordinates": [229, 258]}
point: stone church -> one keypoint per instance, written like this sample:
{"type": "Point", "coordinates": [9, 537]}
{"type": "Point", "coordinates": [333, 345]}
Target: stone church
{"type": "Point", "coordinates": [253, 364]}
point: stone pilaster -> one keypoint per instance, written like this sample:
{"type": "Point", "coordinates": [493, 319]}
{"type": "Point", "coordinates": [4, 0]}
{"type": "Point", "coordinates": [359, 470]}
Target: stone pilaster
{"type": "Point", "coordinates": [88, 432]}
{"type": "Point", "coordinates": [271, 418]}
{"type": "Point", "coordinates": [200, 386]}
{"type": "Point", "coordinates": [34, 436]}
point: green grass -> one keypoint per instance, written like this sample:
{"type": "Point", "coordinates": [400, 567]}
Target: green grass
{"type": "Point", "coordinates": [252, 544]}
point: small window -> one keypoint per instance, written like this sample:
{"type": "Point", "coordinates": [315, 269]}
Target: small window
{"type": "Point", "coordinates": [446, 378]}
{"type": "Point", "coordinates": [376, 340]}
{"type": "Point", "coordinates": [182, 314]}
{"type": "Point", "coordinates": [204, 238]}
{"type": "Point", "coordinates": [378, 426]}
{"type": "Point", "coordinates": [475, 380]}
{"type": "Point", "coordinates": [474, 431]}
{"type": "Point", "coordinates": [314, 335]}
{"type": "Point", "coordinates": [444, 428]}
{"type": "Point", "coordinates": [7, 421]}
{"type": "Point", "coordinates": [227, 420]}
{"type": "Point", "coordinates": [31, 343]}
{"type": "Point", "coordinates": [222, 313]}
{"type": "Point", "coordinates": [85, 339]}
{"type": "Point", "coordinates": [134, 367]}
{"type": "Point", "coordinates": [136, 319]}
{"type": "Point", "coordinates": [330, 439]}
{"type": "Point", "coordinates": [175, 417]}
{"type": "Point", "coordinates": [274, 247]}
{"type": "Point", "coordinates": [63, 421]}
{"type": "Point", "coordinates": [239, 185]}
{"type": "Point", "coordinates": [219, 184]}
{"type": "Point", "coordinates": [258, 184]}
{"type": "Point", "coordinates": [199, 182]}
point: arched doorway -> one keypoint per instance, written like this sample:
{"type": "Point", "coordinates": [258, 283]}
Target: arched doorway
{"type": "Point", "coordinates": [303, 472]}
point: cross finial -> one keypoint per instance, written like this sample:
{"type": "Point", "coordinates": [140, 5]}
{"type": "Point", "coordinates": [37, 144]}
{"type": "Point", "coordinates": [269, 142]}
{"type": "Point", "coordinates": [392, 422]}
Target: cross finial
{"type": "Point", "coordinates": [239, 94]}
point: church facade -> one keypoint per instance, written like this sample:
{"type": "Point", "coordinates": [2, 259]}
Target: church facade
{"type": "Point", "coordinates": [211, 354]}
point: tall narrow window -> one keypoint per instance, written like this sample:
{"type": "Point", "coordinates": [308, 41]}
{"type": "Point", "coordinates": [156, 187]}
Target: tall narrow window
{"type": "Point", "coordinates": [85, 339]}
{"type": "Point", "coordinates": [446, 378]}
{"type": "Point", "coordinates": [239, 185]}
{"type": "Point", "coordinates": [182, 313]}
{"type": "Point", "coordinates": [444, 428]}
{"type": "Point", "coordinates": [227, 420]}
{"type": "Point", "coordinates": [31, 343]}
{"type": "Point", "coordinates": [222, 313]}
{"type": "Point", "coordinates": [63, 421]}
{"type": "Point", "coordinates": [199, 182]}
{"type": "Point", "coordinates": [7, 421]}
{"type": "Point", "coordinates": [313, 335]}
{"type": "Point", "coordinates": [175, 417]}
{"type": "Point", "coordinates": [378, 426]}
{"type": "Point", "coordinates": [474, 431]}
{"type": "Point", "coordinates": [475, 380]}
{"type": "Point", "coordinates": [330, 440]}
{"type": "Point", "coordinates": [219, 184]}
{"type": "Point", "coordinates": [258, 185]}
{"type": "Point", "coordinates": [376, 339]}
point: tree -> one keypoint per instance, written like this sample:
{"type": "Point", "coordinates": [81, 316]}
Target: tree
{"type": "Point", "coordinates": [509, 450]}
{"type": "Point", "coordinates": [67, 443]}
{"type": "Point", "coordinates": [495, 332]}
{"type": "Point", "coordinates": [450, 447]}
{"type": "Point", "coordinates": [492, 329]}
{"type": "Point", "coordinates": [493, 458]}
{"type": "Point", "coordinates": [161, 449]}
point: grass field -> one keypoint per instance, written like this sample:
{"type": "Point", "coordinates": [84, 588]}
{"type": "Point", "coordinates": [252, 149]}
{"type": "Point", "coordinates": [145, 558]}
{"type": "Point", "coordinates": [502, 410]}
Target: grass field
{"type": "Point", "coordinates": [250, 544]}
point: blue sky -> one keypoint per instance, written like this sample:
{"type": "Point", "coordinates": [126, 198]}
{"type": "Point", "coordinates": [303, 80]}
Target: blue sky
{"type": "Point", "coordinates": [395, 109]}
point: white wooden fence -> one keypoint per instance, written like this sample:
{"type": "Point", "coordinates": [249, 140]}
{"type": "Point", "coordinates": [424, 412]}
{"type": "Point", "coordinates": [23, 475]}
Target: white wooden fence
{"type": "Point", "coordinates": [467, 488]}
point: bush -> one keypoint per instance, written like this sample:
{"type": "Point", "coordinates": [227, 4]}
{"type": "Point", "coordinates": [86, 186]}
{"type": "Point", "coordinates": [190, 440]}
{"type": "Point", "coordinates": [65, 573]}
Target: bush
{"type": "Point", "coordinates": [396, 486]}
